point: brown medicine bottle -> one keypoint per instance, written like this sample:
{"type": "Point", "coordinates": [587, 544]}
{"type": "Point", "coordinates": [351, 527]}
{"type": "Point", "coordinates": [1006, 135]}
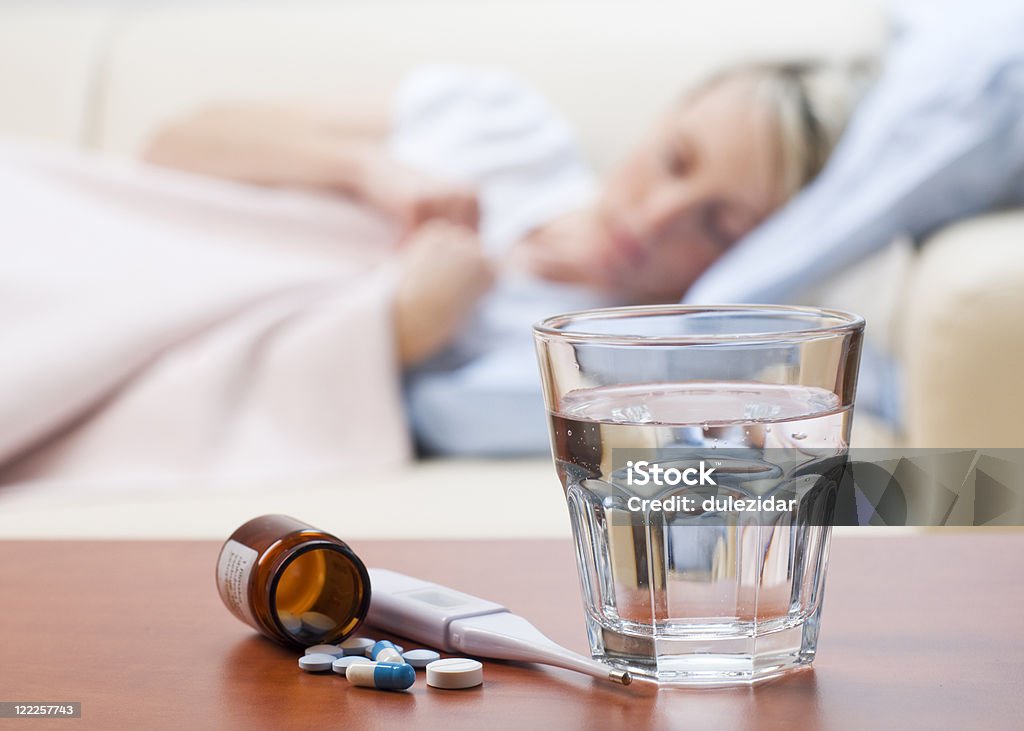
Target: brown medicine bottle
{"type": "Point", "coordinates": [292, 582]}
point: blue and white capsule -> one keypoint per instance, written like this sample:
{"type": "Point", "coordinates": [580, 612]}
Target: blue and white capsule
{"type": "Point", "coordinates": [385, 651]}
{"type": "Point", "coordinates": [382, 675]}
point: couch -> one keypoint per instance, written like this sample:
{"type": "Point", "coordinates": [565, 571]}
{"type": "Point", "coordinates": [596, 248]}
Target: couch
{"type": "Point", "coordinates": [104, 75]}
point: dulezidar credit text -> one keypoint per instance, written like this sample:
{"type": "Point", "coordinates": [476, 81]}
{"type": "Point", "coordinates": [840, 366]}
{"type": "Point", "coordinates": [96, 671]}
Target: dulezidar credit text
{"type": "Point", "coordinates": [643, 473]}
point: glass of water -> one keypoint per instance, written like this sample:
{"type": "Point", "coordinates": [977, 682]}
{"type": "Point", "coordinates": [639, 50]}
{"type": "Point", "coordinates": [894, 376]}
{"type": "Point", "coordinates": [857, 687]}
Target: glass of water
{"type": "Point", "coordinates": [700, 449]}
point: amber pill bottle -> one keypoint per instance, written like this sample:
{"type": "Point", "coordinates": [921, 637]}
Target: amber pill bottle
{"type": "Point", "coordinates": [292, 582]}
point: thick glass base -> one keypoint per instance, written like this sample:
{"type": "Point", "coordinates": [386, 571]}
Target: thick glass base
{"type": "Point", "coordinates": [708, 659]}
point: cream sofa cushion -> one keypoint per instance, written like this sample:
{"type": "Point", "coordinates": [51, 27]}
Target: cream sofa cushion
{"type": "Point", "coordinates": [964, 336]}
{"type": "Point", "coordinates": [49, 69]}
{"type": "Point", "coordinates": [608, 65]}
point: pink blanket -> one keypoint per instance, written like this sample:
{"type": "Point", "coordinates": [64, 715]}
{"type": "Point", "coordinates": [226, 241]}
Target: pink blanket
{"type": "Point", "coordinates": [156, 325]}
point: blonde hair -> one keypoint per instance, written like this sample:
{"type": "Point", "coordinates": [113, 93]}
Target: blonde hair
{"type": "Point", "coordinates": [811, 103]}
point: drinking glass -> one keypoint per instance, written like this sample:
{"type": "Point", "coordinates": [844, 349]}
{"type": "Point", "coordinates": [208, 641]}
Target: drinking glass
{"type": "Point", "coordinates": [758, 401]}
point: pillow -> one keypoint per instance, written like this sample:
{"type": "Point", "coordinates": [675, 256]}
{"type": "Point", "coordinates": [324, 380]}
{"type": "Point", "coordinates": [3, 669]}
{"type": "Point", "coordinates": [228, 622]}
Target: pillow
{"type": "Point", "coordinates": [939, 137]}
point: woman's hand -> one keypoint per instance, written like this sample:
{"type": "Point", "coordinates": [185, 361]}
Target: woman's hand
{"type": "Point", "coordinates": [568, 249]}
{"type": "Point", "coordinates": [413, 198]}
{"type": "Point", "coordinates": [444, 274]}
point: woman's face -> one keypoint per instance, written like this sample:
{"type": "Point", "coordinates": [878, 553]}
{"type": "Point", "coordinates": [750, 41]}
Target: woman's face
{"type": "Point", "coordinates": [701, 181]}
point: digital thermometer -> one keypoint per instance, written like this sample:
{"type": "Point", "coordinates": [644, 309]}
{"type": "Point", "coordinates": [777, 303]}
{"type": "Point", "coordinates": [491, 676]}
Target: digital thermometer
{"type": "Point", "coordinates": [455, 622]}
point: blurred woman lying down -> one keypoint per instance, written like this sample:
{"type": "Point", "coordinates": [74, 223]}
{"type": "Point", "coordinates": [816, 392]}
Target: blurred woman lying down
{"type": "Point", "coordinates": [485, 177]}
{"type": "Point", "coordinates": [205, 326]}
{"type": "Point", "coordinates": [504, 223]}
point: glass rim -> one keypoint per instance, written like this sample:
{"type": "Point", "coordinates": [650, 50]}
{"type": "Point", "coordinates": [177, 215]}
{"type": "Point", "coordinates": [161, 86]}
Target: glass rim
{"type": "Point", "coordinates": [845, 322]}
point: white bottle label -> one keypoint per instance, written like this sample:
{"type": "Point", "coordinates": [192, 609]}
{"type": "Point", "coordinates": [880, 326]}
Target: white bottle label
{"type": "Point", "coordinates": [234, 568]}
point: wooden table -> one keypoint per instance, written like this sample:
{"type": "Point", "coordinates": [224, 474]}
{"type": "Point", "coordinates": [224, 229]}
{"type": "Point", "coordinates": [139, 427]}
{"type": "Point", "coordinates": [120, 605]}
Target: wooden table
{"type": "Point", "coordinates": [918, 632]}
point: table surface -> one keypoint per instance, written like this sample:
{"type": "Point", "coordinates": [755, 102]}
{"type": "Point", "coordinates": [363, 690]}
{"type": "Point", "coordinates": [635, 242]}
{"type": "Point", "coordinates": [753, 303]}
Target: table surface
{"type": "Point", "coordinates": [918, 632]}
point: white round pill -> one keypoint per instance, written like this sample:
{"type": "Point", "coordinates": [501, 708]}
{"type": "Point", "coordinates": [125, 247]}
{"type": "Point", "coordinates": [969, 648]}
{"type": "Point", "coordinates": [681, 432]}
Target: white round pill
{"type": "Point", "coordinates": [420, 658]}
{"type": "Point", "coordinates": [332, 650]}
{"type": "Point", "coordinates": [455, 673]}
{"type": "Point", "coordinates": [357, 645]}
{"type": "Point", "coordinates": [291, 623]}
{"type": "Point", "coordinates": [317, 622]}
{"type": "Point", "coordinates": [316, 663]}
{"type": "Point", "coordinates": [341, 664]}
